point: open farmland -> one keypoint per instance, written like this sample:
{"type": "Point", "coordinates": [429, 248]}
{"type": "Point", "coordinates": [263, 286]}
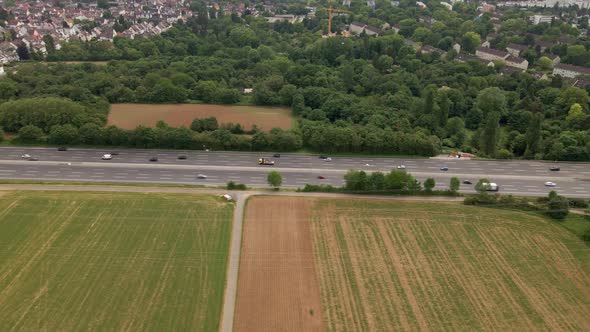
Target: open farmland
{"type": "Point", "coordinates": [112, 261]}
{"type": "Point", "coordinates": [386, 266]}
{"type": "Point", "coordinates": [277, 287]}
{"type": "Point", "coordinates": [129, 116]}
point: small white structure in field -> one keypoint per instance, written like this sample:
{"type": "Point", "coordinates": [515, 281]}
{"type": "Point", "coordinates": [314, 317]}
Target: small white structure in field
{"type": "Point", "coordinates": [227, 197]}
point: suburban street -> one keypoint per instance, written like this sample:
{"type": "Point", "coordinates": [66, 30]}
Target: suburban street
{"type": "Point", "coordinates": [133, 166]}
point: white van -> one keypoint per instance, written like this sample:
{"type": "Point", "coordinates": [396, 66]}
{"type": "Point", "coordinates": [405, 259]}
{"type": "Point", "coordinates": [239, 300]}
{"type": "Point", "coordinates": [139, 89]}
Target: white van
{"type": "Point", "coordinates": [491, 186]}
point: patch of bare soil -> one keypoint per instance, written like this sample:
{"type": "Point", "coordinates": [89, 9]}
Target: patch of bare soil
{"type": "Point", "coordinates": [277, 287]}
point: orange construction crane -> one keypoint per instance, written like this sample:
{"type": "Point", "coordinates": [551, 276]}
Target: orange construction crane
{"type": "Point", "coordinates": [331, 10]}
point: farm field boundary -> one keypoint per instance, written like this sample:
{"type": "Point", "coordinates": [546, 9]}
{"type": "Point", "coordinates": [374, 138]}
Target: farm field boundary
{"type": "Point", "coordinates": [129, 116]}
{"type": "Point", "coordinates": [277, 285]}
{"type": "Point", "coordinates": [387, 266]}
{"type": "Point", "coordinates": [72, 261]}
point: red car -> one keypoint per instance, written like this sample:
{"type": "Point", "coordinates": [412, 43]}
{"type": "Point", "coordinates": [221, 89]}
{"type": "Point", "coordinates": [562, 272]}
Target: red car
{"type": "Point", "coordinates": [321, 177]}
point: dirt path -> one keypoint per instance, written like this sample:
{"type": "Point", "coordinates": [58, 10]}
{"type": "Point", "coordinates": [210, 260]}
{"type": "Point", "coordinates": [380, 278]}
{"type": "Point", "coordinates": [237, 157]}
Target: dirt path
{"type": "Point", "coordinates": [231, 283]}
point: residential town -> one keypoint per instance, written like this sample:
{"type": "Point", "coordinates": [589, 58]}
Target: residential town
{"type": "Point", "coordinates": [29, 22]}
{"type": "Point", "coordinates": [34, 23]}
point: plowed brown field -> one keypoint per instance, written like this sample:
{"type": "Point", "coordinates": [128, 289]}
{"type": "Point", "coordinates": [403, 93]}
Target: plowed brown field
{"type": "Point", "coordinates": [391, 266]}
{"type": "Point", "coordinates": [277, 287]}
{"type": "Point", "coordinates": [129, 116]}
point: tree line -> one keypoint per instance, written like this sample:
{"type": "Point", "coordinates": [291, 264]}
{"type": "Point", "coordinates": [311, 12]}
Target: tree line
{"type": "Point", "coordinates": [363, 94]}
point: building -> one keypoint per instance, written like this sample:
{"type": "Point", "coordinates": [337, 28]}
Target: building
{"type": "Point", "coordinates": [490, 54]}
{"type": "Point", "coordinates": [507, 71]}
{"type": "Point", "coordinates": [358, 28]}
{"type": "Point", "coordinates": [570, 71]}
{"type": "Point", "coordinates": [543, 45]}
{"type": "Point", "coordinates": [284, 18]}
{"type": "Point", "coordinates": [516, 62]}
{"type": "Point", "coordinates": [447, 5]}
{"type": "Point", "coordinates": [487, 8]}
{"type": "Point", "coordinates": [536, 19]}
{"type": "Point", "coordinates": [427, 49]}
{"type": "Point", "coordinates": [515, 49]}
{"type": "Point", "coordinates": [546, 3]}
{"type": "Point", "coordinates": [555, 59]}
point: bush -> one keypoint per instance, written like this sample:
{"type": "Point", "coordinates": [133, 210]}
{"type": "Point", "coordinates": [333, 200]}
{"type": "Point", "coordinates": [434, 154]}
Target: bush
{"type": "Point", "coordinates": [578, 203]}
{"type": "Point", "coordinates": [319, 188]}
{"type": "Point", "coordinates": [30, 134]}
{"type": "Point", "coordinates": [504, 154]}
{"type": "Point", "coordinates": [66, 134]}
{"type": "Point", "coordinates": [558, 207]}
{"type": "Point", "coordinates": [454, 184]}
{"type": "Point", "coordinates": [231, 185]}
{"type": "Point", "coordinates": [481, 199]}
{"type": "Point", "coordinates": [429, 184]}
{"type": "Point", "coordinates": [1, 135]}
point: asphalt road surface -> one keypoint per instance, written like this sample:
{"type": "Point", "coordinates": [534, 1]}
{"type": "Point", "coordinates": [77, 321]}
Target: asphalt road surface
{"type": "Point", "coordinates": [132, 166]}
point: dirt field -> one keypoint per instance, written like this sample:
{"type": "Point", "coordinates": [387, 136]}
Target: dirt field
{"type": "Point", "coordinates": [434, 266]}
{"type": "Point", "coordinates": [277, 287]}
{"type": "Point", "coordinates": [129, 116]}
{"type": "Point", "coordinates": [79, 261]}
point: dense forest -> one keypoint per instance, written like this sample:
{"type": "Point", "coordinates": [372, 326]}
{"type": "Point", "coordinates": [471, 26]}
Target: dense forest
{"type": "Point", "coordinates": [360, 94]}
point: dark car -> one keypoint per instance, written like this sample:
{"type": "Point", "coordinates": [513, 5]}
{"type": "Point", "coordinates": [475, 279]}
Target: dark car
{"type": "Point", "coordinates": [321, 177]}
{"type": "Point", "coordinates": [554, 168]}
{"type": "Point", "coordinates": [182, 157]}
{"type": "Point", "coordinates": [154, 159]}
{"type": "Point", "coordinates": [466, 182]}
{"type": "Point", "coordinates": [33, 159]}
{"type": "Point", "coordinates": [445, 168]}
{"type": "Point", "coordinates": [62, 148]}
{"type": "Point", "coordinates": [277, 155]}
{"type": "Point", "coordinates": [323, 157]}
{"type": "Point", "coordinates": [115, 153]}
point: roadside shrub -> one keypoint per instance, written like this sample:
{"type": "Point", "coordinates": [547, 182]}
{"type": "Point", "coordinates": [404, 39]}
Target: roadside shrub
{"type": "Point", "coordinates": [319, 188]}
{"type": "Point", "coordinates": [481, 199]}
{"type": "Point", "coordinates": [30, 134]}
{"type": "Point", "coordinates": [429, 184]}
{"type": "Point", "coordinates": [231, 185]}
{"type": "Point", "coordinates": [578, 203]}
{"type": "Point", "coordinates": [558, 207]}
{"type": "Point", "coordinates": [586, 235]}
{"type": "Point", "coordinates": [64, 134]}
{"type": "Point", "coordinates": [504, 154]}
{"type": "Point", "coordinates": [507, 200]}
{"type": "Point", "coordinates": [1, 135]}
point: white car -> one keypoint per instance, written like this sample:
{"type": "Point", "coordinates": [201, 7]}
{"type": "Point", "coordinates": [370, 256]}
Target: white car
{"type": "Point", "coordinates": [25, 156]}
{"type": "Point", "coordinates": [201, 176]}
{"type": "Point", "coordinates": [550, 184]}
{"type": "Point", "coordinates": [401, 167]}
{"type": "Point", "coordinates": [328, 159]}
{"type": "Point", "coordinates": [107, 156]}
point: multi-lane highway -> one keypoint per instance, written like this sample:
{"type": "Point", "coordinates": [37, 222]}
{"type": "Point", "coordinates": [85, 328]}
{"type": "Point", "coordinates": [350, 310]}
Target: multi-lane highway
{"type": "Point", "coordinates": [516, 177]}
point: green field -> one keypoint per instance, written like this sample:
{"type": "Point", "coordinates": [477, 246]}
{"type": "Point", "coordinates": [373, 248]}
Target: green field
{"type": "Point", "coordinates": [389, 266]}
{"type": "Point", "coordinates": [112, 261]}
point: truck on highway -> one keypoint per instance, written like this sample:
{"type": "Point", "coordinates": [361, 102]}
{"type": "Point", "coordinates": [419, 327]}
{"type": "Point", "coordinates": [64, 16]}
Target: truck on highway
{"type": "Point", "coordinates": [490, 186]}
{"type": "Point", "coordinates": [265, 161]}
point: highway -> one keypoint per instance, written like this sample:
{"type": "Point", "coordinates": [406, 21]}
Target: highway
{"type": "Point", "coordinates": [133, 166]}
